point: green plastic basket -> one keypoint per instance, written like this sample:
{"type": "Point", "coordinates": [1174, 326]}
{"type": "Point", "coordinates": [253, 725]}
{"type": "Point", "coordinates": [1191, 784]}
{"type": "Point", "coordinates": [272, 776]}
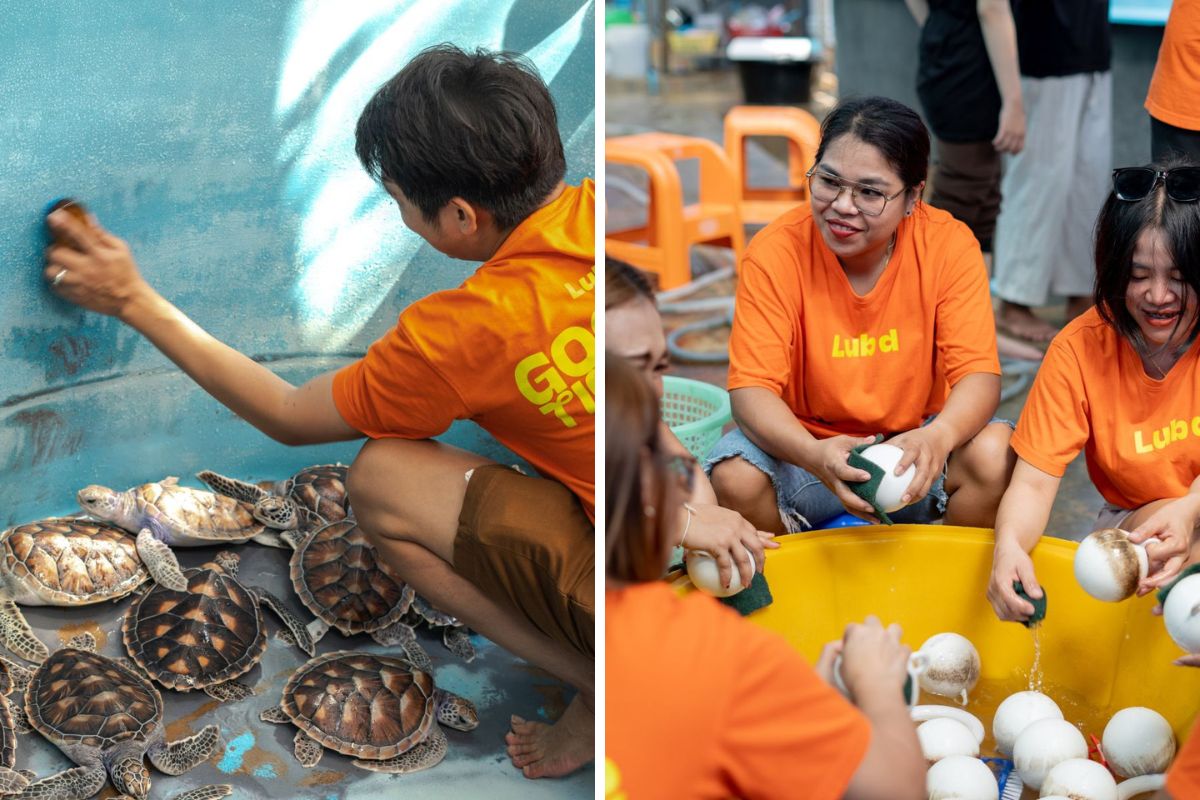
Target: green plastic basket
{"type": "Point", "coordinates": [696, 412]}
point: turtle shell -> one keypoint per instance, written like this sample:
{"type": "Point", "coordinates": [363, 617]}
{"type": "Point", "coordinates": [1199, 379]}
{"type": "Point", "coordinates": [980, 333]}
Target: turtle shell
{"type": "Point", "coordinates": [8, 737]}
{"type": "Point", "coordinates": [425, 611]}
{"type": "Point", "coordinates": [210, 634]}
{"type": "Point", "coordinates": [361, 704]}
{"type": "Point", "coordinates": [319, 493]}
{"type": "Point", "coordinates": [339, 577]}
{"type": "Point", "coordinates": [201, 514]}
{"type": "Point", "coordinates": [71, 561]}
{"type": "Point", "coordinates": [80, 697]}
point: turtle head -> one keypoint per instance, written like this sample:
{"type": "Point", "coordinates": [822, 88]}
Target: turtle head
{"type": "Point", "coordinates": [100, 501]}
{"type": "Point", "coordinates": [228, 561]}
{"type": "Point", "coordinates": [276, 512]}
{"type": "Point", "coordinates": [130, 776]}
{"type": "Point", "coordinates": [457, 712]}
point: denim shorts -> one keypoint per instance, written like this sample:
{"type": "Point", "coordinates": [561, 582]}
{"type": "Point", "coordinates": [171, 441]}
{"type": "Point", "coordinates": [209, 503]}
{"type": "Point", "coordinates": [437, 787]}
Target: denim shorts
{"type": "Point", "coordinates": [804, 502]}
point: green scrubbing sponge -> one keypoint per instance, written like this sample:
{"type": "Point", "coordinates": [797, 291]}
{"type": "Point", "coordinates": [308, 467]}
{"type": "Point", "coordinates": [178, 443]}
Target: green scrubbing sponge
{"type": "Point", "coordinates": [1039, 606]}
{"type": "Point", "coordinates": [755, 596]}
{"type": "Point", "coordinates": [867, 489]}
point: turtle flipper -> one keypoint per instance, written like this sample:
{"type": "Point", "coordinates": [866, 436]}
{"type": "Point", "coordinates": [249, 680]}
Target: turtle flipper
{"type": "Point", "coordinates": [160, 562]}
{"type": "Point", "coordinates": [176, 758]}
{"type": "Point", "coordinates": [458, 642]}
{"type": "Point", "coordinates": [20, 720]}
{"type": "Point", "coordinates": [211, 792]}
{"type": "Point", "coordinates": [19, 675]}
{"type": "Point", "coordinates": [11, 781]}
{"type": "Point", "coordinates": [401, 633]}
{"type": "Point", "coordinates": [74, 784]}
{"type": "Point", "coordinates": [276, 715]}
{"type": "Point", "coordinates": [271, 539]}
{"type": "Point", "coordinates": [428, 753]}
{"type": "Point", "coordinates": [307, 751]}
{"type": "Point", "coordinates": [229, 690]}
{"type": "Point", "coordinates": [232, 487]}
{"type": "Point", "coordinates": [18, 636]}
{"type": "Point", "coordinates": [303, 639]}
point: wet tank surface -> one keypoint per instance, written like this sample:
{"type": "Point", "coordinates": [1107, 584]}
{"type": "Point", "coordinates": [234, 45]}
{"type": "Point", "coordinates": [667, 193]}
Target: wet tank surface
{"type": "Point", "coordinates": [255, 757]}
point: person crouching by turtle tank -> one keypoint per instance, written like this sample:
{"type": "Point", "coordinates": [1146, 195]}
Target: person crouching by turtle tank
{"type": "Point", "coordinates": [1120, 383]}
{"type": "Point", "coordinates": [866, 312]}
{"type": "Point", "coordinates": [467, 145]}
{"type": "Point", "coordinates": [701, 703]}
{"type": "Point", "coordinates": [634, 331]}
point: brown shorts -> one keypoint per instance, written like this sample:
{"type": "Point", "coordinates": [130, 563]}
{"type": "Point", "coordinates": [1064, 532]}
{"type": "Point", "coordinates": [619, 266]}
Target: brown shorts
{"type": "Point", "coordinates": [966, 182]}
{"type": "Point", "coordinates": [527, 542]}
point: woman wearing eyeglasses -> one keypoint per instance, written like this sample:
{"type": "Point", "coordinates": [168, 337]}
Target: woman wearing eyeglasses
{"type": "Point", "coordinates": [1122, 384]}
{"type": "Point", "coordinates": [865, 313]}
{"type": "Point", "coordinates": [701, 703]}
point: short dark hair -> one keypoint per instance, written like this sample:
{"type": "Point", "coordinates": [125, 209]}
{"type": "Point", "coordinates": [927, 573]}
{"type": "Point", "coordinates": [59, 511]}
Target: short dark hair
{"type": "Point", "coordinates": [894, 128]}
{"type": "Point", "coordinates": [624, 283]}
{"type": "Point", "coordinates": [1118, 227]}
{"type": "Point", "coordinates": [480, 126]}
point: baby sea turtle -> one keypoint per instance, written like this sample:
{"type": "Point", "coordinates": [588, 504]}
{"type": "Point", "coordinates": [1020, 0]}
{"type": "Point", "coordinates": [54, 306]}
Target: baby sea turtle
{"type": "Point", "coordinates": [380, 709]}
{"type": "Point", "coordinates": [164, 513]}
{"type": "Point", "coordinates": [209, 635]}
{"type": "Point", "coordinates": [312, 497]}
{"type": "Point", "coordinates": [454, 635]}
{"type": "Point", "coordinates": [340, 578]}
{"type": "Point", "coordinates": [106, 717]}
{"type": "Point", "coordinates": [64, 561]}
{"type": "Point", "coordinates": [12, 781]}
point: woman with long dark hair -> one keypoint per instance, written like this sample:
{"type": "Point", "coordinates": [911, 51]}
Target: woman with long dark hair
{"type": "Point", "coordinates": [866, 312]}
{"type": "Point", "coordinates": [1122, 384]}
{"type": "Point", "coordinates": [701, 703]}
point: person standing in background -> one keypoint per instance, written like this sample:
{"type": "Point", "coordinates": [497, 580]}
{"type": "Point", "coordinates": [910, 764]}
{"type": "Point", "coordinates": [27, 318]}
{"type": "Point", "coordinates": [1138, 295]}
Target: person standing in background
{"type": "Point", "coordinates": [970, 90]}
{"type": "Point", "coordinates": [1175, 87]}
{"type": "Point", "coordinates": [1054, 187]}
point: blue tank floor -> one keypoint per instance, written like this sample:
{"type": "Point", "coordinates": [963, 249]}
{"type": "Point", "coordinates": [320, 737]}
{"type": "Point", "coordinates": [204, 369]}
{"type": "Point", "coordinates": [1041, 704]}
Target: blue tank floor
{"type": "Point", "coordinates": [256, 758]}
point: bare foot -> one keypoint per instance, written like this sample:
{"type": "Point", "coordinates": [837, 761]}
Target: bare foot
{"type": "Point", "coordinates": [551, 751]}
{"type": "Point", "coordinates": [1078, 305]}
{"type": "Point", "coordinates": [1020, 321]}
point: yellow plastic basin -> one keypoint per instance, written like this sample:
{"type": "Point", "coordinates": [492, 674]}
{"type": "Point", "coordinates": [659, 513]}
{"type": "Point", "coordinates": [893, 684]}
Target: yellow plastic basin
{"type": "Point", "coordinates": [1096, 658]}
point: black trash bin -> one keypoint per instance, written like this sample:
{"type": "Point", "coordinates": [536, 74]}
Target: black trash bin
{"type": "Point", "coordinates": [775, 70]}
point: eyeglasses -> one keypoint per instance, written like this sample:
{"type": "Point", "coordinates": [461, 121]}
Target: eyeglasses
{"type": "Point", "coordinates": [1136, 183]}
{"type": "Point", "coordinates": [684, 468]}
{"type": "Point", "coordinates": [828, 188]}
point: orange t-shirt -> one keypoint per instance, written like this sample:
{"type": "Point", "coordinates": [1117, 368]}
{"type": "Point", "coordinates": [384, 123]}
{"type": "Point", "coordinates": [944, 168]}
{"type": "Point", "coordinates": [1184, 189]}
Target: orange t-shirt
{"type": "Point", "coordinates": [1183, 778]}
{"type": "Point", "coordinates": [512, 349]}
{"type": "Point", "coordinates": [700, 703]}
{"type": "Point", "coordinates": [859, 365]}
{"type": "Point", "coordinates": [1091, 393]}
{"type": "Point", "coordinates": [1175, 86]}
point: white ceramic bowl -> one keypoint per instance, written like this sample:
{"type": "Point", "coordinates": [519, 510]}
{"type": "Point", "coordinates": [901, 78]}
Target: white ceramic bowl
{"type": "Point", "coordinates": [944, 737]}
{"type": "Point", "coordinates": [1138, 741]}
{"type": "Point", "coordinates": [1181, 613]}
{"type": "Point", "coordinates": [705, 575]}
{"type": "Point", "coordinates": [952, 665]}
{"type": "Point", "coordinates": [1108, 566]}
{"type": "Point", "coordinates": [892, 487]}
{"type": "Point", "coordinates": [1080, 779]}
{"type": "Point", "coordinates": [1043, 745]}
{"type": "Point", "coordinates": [1017, 712]}
{"type": "Point", "coordinates": [961, 778]}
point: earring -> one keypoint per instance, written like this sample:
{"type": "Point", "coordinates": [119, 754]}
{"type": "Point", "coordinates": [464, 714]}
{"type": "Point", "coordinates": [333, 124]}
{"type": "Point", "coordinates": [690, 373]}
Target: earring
{"type": "Point", "coordinates": [649, 511]}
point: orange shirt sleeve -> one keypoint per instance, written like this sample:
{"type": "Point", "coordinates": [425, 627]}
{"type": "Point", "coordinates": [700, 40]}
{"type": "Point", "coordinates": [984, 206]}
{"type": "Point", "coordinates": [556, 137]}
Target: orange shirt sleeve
{"type": "Point", "coordinates": [1183, 778]}
{"type": "Point", "coordinates": [1054, 424]}
{"type": "Point", "coordinates": [788, 733]}
{"type": "Point", "coordinates": [966, 330]}
{"type": "Point", "coordinates": [766, 328]}
{"type": "Point", "coordinates": [395, 391]}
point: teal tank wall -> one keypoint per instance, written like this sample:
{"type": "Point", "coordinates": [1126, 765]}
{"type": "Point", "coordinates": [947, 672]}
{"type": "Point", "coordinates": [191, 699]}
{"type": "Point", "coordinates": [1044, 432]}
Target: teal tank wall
{"type": "Point", "coordinates": [217, 139]}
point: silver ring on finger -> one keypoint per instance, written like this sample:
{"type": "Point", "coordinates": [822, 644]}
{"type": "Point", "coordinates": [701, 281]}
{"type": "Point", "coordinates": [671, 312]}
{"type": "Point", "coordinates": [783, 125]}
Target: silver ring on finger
{"type": "Point", "coordinates": [59, 277]}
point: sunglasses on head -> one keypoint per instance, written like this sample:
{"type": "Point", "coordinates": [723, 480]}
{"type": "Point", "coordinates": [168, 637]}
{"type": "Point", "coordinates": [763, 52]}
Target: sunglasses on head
{"type": "Point", "coordinates": [1135, 183]}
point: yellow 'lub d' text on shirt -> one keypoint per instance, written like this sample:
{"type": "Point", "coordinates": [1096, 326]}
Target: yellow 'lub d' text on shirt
{"type": "Point", "coordinates": [1141, 436]}
{"type": "Point", "coordinates": [856, 364]}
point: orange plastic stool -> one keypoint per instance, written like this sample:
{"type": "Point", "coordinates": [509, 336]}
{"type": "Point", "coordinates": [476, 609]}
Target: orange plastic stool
{"type": "Point", "coordinates": [803, 134]}
{"type": "Point", "coordinates": [671, 227]}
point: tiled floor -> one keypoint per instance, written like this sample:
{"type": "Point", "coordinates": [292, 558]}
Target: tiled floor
{"type": "Point", "coordinates": [695, 105]}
